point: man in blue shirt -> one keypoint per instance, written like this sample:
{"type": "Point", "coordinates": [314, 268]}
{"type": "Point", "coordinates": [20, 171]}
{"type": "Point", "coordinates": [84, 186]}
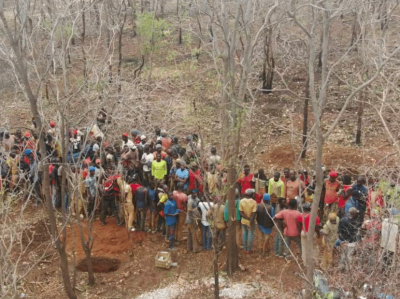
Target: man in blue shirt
{"type": "Point", "coordinates": [182, 176]}
{"type": "Point", "coordinates": [152, 206]}
{"type": "Point", "coordinates": [171, 211]}
{"type": "Point", "coordinates": [352, 202]}
{"type": "Point", "coordinates": [362, 200]}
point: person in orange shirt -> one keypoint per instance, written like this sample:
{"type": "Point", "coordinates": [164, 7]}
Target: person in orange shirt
{"type": "Point", "coordinates": [294, 187]}
{"type": "Point", "coordinates": [181, 199]}
{"type": "Point", "coordinates": [331, 198]}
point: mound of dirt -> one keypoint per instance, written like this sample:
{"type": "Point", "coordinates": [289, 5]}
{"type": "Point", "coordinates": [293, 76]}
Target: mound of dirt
{"type": "Point", "coordinates": [101, 264]}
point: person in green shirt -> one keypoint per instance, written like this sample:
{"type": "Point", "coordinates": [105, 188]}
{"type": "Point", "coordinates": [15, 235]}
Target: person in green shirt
{"type": "Point", "coordinates": [237, 221]}
{"type": "Point", "coordinates": [276, 188]}
{"type": "Point", "coordinates": [159, 168]}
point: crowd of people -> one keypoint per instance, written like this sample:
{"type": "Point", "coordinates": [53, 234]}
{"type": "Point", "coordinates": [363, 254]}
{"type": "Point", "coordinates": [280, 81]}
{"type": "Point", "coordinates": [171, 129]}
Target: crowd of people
{"type": "Point", "coordinates": [158, 185]}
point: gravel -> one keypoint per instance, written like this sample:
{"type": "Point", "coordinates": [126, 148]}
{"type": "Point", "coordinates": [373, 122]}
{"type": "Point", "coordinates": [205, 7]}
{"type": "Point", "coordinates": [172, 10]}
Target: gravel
{"type": "Point", "coordinates": [170, 292]}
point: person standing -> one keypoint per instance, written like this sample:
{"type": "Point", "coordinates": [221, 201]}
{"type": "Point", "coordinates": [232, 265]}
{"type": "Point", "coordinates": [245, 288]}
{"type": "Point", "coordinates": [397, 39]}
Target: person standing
{"type": "Point", "coordinates": [331, 198]}
{"type": "Point", "coordinates": [128, 206]}
{"type": "Point", "coordinates": [126, 141]}
{"type": "Point", "coordinates": [158, 169]}
{"type": "Point", "coordinates": [278, 242]}
{"type": "Point", "coordinates": [182, 176]}
{"type": "Point", "coordinates": [276, 188]}
{"type": "Point", "coordinates": [260, 182]}
{"type": "Point", "coordinates": [363, 190]}
{"type": "Point", "coordinates": [329, 234]}
{"type": "Point", "coordinates": [344, 194]}
{"type": "Point", "coordinates": [291, 231]}
{"type": "Point", "coordinates": [348, 229]}
{"type": "Point", "coordinates": [265, 214]}
{"type": "Point", "coordinates": [141, 206]}
{"type": "Point", "coordinates": [181, 201]}
{"type": "Point", "coordinates": [147, 160]}
{"type": "Point", "coordinates": [237, 221]}
{"type": "Point", "coordinates": [217, 214]}
{"type": "Point", "coordinates": [306, 219]}
{"type": "Point", "coordinates": [192, 216]}
{"type": "Point", "coordinates": [91, 191]}
{"type": "Point", "coordinates": [214, 158]}
{"type": "Point", "coordinates": [294, 187]}
{"type": "Point", "coordinates": [245, 180]}
{"type": "Point", "coordinates": [205, 225]}
{"type": "Point", "coordinates": [248, 209]}
{"type": "Point", "coordinates": [171, 212]}
{"type": "Point", "coordinates": [152, 206]}
{"type": "Point", "coordinates": [108, 199]}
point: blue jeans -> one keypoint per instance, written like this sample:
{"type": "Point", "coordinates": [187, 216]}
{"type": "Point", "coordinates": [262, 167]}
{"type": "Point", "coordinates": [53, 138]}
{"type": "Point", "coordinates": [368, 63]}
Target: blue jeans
{"type": "Point", "coordinates": [278, 243]}
{"type": "Point", "coordinates": [248, 235]}
{"type": "Point", "coordinates": [171, 234]}
{"type": "Point", "coordinates": [206, 237]}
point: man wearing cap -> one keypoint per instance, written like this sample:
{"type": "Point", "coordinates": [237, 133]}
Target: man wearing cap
{"type": "Point", "coordinates": [248, 209]}
{"type": "Point", "coordinates": [181, 201]}
{"type": "Point", "coordinates": [91, 191]}
{"type": "Point", "coordinates": [245, 180]}
{"type": "Point", "coordinates": [136, 136]}
{"type": "Point", "coordinates": [158, 168]}
{"type": "Point", "coordinates": [29, 143]}
{"type": "Point", "coordinates": [182, 176]}
{"type": "Point", "coordinates": [276, 188]}
{"type": "Point", "coordinates": [171, 212]}
{"type": "Point", "coordinates": [265, 214]}
{"type": "Point", "coordinates": [126, 141]}
{"type": "Point", "coordinates": [75, 141]}
{"type": "Point", "coordinates": [348, 229]}
{"type": "Point", "coordinates": [304, 220]}
{"type": "Point", "coordinates": [192, 216]}
{"type": "Point", "coordinates": [330, 235]}
{"type": "Point", "coordinates": [332, 187]}
{"type": "Point", "coordinates": [147, 160]}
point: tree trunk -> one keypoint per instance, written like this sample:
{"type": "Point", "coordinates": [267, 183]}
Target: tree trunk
{"type": "Point", "coordinates": [305, 120]}
{"type": "Point", "coordinates": [360, 113]}
{"type": "Point", "coordinates": [269, 64]}
{"type": "Point", "coordinates": [215, 263]}
{"type": "Point", "coordinates": [232, 254]}
{"type": "Point", "coordinates": [121, 31]}
{"type": "Point", "coordinates": [20, 66]}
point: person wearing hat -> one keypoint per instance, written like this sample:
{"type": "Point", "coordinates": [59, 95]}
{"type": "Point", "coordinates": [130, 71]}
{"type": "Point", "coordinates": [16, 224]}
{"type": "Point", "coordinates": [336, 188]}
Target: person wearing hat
{"type": "Point", "coordinates": [136, 136]}
{"type": "Point", "coordinates": [348, 230]}
{"type": "Point", "coordinates": [265, 214]}
{"type": "Point", "coordinates": [91, 191]}
{"type": "Point", "coordinates": [29, 143]}
{"type": "Point", "coordinates": [248, 209]}
{"type": "Point", "coordinates": [304, 220]}
{"type": "Point", "coordinates": [331, 189]}
{"type": "Point", "coordinates": [192, 216]}
{"type": "Point", "coordinates": [126, 141]}
{"type": "Point", "coordinates": [329, 234]}
{"type": "Point", "coordinates": [75, 141]}
{"type": "Point", "coordinates": [181, 200]}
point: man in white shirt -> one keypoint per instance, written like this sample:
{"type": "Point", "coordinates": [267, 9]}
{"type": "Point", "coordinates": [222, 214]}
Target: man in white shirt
{"type": "Point", "coordinates": [126, 141]}
{"type": "Point", "coordinates": [205, 225]}
{"type": "Point", "coordinates": [214, 158]}
{"type": "Point", "coordinates": [389, 237]}
{"type": "Point", "coordinates": [147, 159]}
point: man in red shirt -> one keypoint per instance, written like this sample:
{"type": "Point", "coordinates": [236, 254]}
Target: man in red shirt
{"type": "Point", "coordinates": [195, 179]}
{"type": "Point", "coordinates": [331, 198]}
{"type": "Point", "coordinates": [306, 217]}
{"type": "Point", "coordinates": [344, 194]}
{"type": "Point", "coordinates": [181, 202]}
{"type": "Point", "coordinates": [245, 180]}
{"type": "Point", "coordinates": [289, 221]}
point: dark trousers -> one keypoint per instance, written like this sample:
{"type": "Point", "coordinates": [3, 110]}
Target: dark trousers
{"type": "Point", "coordinates": [90, 207]}
{"type": "Point", "coordinates": [171, 234]}
{"type": "Point", "coordinates": [141, 218]}
{"type": "Point", "coordinates": [206, 237]}
{"type": "Point", "coordinates": [105, 204]}
{"type": "Point", "coordinates": [161, 224]}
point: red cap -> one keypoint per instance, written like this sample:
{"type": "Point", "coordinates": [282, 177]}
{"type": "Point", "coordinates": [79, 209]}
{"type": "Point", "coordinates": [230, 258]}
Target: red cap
{"type": "Point", "coordinates": [333, 174]}
{"type": "Point", "coordinates": [87, 161]}
{"type": "Point", "coordinates": [52, 123]}
{"type": "Point", "coordinates": [27, 134]}
{"type": "Point", "coordinates": [125, 134]}
{"type": "Point", "coordinates": [75, 131]}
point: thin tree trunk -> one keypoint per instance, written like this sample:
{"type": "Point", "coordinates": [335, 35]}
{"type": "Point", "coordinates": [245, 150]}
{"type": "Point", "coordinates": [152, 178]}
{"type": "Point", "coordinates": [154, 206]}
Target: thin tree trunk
{"type": "Point", "coordinates": [19, 63]}
{"type": "Point", "coordinates": [360, 113]}
{"type": "Point", "coordinates": [121, 31]}
{"type": "Point", "coordinates": [305, 120]}
{"type": "Point", "coordinates": [232, 254]}
{"type": "Point", "coordinates": [215, 257]}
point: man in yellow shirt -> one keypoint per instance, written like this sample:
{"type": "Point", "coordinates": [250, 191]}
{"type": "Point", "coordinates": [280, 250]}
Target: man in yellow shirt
{"type": "Point", "coordinates": [276, 188]}
{"type": "Point", "coordinates": [248, 209]}
{"type": "Point", "coordinates": [158, 168]}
